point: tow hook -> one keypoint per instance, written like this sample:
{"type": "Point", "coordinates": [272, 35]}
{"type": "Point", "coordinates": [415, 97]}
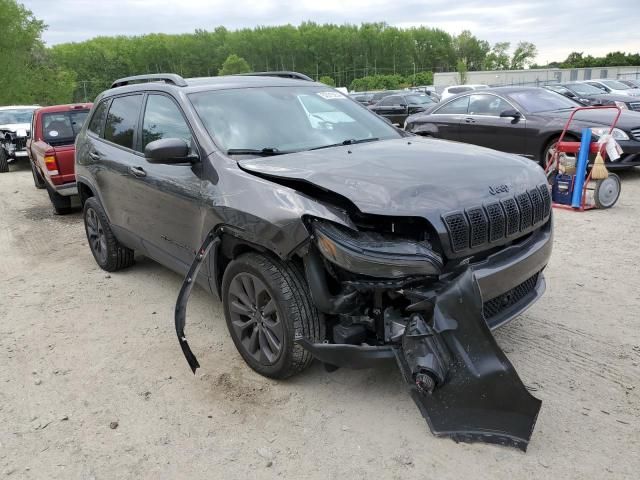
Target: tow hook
{"type": "Point", "coordinates": [425, 383]}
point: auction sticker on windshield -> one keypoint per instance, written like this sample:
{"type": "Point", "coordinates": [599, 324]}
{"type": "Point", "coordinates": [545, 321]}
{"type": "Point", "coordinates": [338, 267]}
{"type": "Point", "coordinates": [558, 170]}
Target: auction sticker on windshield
{"type": "Point", "coordinates": [331, 95]}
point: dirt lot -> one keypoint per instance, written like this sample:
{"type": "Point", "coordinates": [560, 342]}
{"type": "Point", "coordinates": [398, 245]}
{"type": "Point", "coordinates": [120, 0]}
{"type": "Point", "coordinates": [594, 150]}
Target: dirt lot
{"type": "Point", "coordinates": [80, 349]}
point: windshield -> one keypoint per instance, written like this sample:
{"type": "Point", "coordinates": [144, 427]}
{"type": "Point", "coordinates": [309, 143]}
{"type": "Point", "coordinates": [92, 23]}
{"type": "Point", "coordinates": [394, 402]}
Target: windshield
{"type": "Point", "coordinates": [541, 100]}
{"type": "Point", "coordinates": [286, 119]}
{"type": "Point", "coordinates": [615, 85]}
{"type": "Point", "coordinates": [22, 115]}
{"type": "Point", "coordinates": [584, 89]}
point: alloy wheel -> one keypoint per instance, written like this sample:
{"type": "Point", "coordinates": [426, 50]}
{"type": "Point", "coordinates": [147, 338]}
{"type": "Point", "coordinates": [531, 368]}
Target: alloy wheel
{"type": "Point", "coordinates": [96, 235]}
{"type": "Point", "coordinates": [255, 319]}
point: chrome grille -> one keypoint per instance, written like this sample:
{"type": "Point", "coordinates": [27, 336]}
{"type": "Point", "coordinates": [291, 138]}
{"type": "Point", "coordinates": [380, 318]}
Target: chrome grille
{"type": "Point", "coordinates": [634, 106]}
{"type": "Point", "coordinates": [479, 226]}
{"type": "Point", "coordinates": [636, 133]}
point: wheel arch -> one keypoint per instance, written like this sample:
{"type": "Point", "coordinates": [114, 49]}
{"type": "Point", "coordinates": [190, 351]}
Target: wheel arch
{"type": "Point", "coordinates": [84, 192]}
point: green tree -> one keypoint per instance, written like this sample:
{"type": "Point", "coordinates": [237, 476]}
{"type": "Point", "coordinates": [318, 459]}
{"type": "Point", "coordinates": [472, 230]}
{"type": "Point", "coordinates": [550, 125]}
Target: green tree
{"type": "Point", "coordinates": [498, 57]}
{"type": "Point", "coordinates": [523, 55]}
{"type": "Point", "coordinates": [234, 64]}
{"type": "Point", "coordinates": [327, 80]}
{"type": "Point", "coordinates": [462, 72]}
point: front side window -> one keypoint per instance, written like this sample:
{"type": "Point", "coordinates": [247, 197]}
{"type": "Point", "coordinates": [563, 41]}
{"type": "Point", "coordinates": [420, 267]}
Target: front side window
{"type": "Point", "coordinates": [163, 119]}
{"type": "Point", "coordinates": [488, 105]}
{"type": "Point", "coordinates": [285, 119]}
{"type": "Point", "coordinates": [456, 107]}
{"type": "Point", "coordinates": [96, 125]}
{"type": "Point", "coordinates": [62, 128]}
{"type": "Point", "coordinates": [122, 120]}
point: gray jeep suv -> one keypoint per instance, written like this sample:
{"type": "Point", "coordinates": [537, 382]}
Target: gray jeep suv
{"type": "Point", "coordinates": [326, 233]}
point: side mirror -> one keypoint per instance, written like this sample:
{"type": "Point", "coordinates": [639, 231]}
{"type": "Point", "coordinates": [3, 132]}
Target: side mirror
{"type": "Point", "coordinates": [510, 113]}
{"type": "Point", "coordinates": [168, 150]}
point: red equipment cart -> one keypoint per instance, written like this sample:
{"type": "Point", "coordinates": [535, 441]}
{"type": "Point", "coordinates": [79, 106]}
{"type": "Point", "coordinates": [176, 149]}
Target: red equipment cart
{"type": "Point", "coordinates": [605, 191]}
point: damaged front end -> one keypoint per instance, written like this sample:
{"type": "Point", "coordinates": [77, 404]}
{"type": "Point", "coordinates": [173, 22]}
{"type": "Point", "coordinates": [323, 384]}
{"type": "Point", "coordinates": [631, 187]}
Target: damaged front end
{"type": "Point", "coordinates": [387, 295]}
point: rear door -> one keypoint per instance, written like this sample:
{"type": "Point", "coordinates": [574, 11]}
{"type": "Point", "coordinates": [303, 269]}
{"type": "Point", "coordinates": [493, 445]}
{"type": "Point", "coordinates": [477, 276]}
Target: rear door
{"type": "Point", "coordinates": [483, 125]}
{"type": "Point", "coordinates": [113, 155]}
{"type": "Point", "coordinates": [166, 199]}
{"type": "Point", "coordinates": [448, 117]}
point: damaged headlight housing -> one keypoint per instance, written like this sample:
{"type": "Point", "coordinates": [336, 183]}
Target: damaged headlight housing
{"type": "Point", "coordinates": [375, 254]}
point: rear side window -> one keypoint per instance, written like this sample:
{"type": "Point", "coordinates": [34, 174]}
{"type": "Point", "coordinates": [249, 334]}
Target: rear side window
{"type": "Point", "coordinates": [163, 119]}
{"type": "Point", "coordinates": [97, 121]}
{"type": "Point", "coordinates": [457, 106]}
{"type": "Point", "coordinates": [62, 128]}
{"type": "Point", "coordinates": [122, 120]}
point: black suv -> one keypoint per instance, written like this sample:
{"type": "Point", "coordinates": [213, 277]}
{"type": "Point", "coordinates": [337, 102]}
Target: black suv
{"type": "Point", "coordinates": [326, 232]}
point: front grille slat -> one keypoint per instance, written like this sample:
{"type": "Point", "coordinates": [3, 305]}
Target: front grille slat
{"type": "Point", "coordinates": [538, 207]}
{"type": "Point", "coordinates": [484, 224]}
{"type": "Point", "coordinates": [497, 221]}
{"type": "Point", "coordinates": [458, 231]}
{"type": "Point", "coordinates": [634, 106]}
{"type": "Point", "coordinates": [479, 226]}
{"type": "Point", "coordinates": [526, 210]}
{"type": "Point", "coordinates": [636, 133]}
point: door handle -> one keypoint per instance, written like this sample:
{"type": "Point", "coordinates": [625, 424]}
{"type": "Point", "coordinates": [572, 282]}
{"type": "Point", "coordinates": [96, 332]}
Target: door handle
{"type": "Point", "coordinates": [469, 120]}
{"type": "Point", "coordinates": [137, 171]}
{"type": "Point", "coordinates": [95, 155]}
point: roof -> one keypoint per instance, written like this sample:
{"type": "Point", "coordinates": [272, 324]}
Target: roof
{"type": "Point", "coordinates": [190, 85]}
{"type": "Point", "coordinates": [64, 108]}
{"type": "Point", "coordinates": [19, 107]}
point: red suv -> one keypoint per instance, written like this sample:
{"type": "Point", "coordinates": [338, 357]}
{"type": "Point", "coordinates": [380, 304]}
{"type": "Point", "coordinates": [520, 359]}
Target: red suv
{"type": "Point", "coordinates": [51, 151]}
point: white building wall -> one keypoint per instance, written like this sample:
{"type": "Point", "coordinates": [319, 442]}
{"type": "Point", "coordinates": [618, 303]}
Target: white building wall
{"type": "Point", "coordinates": [534, 77]}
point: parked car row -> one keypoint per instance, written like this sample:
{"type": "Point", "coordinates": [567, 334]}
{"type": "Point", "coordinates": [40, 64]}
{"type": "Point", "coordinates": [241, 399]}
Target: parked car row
{"type": "Point", "coordinates": [526, 121]}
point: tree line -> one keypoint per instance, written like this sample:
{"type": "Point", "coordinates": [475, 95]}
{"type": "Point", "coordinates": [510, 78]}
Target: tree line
{"type": "Point", "coordinates": [366, 56]}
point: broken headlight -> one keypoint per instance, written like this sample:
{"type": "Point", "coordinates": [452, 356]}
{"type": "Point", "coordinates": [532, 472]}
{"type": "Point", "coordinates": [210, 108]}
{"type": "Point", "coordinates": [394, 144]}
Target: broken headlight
{"type": "Point", "coordinates": [375, 254]}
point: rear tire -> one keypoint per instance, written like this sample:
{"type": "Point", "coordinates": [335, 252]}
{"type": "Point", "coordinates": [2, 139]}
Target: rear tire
{"type": "Point", "coordinates": [4, 161]}
{"type": "Point", "coordinates": [37, 178]}
{"type": "Point", "coordinates": [109, 254]}
{"type": "Point", "coordinates": [267, 305]}
{"type": "Point", "coordinates": [61, 204]}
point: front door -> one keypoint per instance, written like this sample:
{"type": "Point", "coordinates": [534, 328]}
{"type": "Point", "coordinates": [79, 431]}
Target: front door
{"type": "Point", "coordinates": [166, 198]}
{"type": "Point", "coordinates": [484, 126]}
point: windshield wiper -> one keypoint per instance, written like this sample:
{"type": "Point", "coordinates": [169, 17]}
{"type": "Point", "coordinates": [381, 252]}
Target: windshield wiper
{"type": "Point", "coordinates": [265, 152]}
{"type": "Point", "coordinates": [348, 141]}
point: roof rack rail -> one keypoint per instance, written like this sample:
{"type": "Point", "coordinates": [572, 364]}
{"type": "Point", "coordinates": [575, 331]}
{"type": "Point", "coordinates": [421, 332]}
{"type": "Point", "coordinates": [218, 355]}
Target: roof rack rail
{"type": "Point", "coordinates": [171, 78]}
{"type": "Point", "coordinates": [281, 74]}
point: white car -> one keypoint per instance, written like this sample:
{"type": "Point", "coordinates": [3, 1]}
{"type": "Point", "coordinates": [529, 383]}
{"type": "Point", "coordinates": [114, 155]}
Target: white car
{"type": "Point", "coordinates": [456, 89]}
{"type": "Point", "coordinates": [614, 86]}
{"type": "Point", "coordinates": [15, 127]}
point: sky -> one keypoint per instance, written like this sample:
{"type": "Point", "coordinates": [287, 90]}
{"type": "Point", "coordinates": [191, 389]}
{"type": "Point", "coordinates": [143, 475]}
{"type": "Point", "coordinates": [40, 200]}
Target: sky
{"type": "Point", "coordinates": [556, 27]}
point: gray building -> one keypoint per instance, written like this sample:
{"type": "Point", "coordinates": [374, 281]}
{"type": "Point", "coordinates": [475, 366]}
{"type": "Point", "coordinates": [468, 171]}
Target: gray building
{"type": "Point", "coordinates": [535, 77]}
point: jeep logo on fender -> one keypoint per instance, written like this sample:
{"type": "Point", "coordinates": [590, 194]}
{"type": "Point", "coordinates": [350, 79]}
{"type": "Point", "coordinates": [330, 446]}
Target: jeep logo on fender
{"type": "Point", "coordinates": [496, 189]}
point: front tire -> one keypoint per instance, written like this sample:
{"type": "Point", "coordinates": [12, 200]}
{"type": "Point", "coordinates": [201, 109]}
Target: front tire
{"type": "Point", "coordinates": [267, 305]}
{"type": "Point", "coordinates": [109, 254]}
{"type": "Point", "coordinates": [4, 161]}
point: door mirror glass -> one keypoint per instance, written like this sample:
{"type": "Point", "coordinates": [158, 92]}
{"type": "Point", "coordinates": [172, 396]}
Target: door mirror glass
{"type": "Point", "coordinates": [168, 150]}
{"type": "Point", "coordinates": [511, 113]}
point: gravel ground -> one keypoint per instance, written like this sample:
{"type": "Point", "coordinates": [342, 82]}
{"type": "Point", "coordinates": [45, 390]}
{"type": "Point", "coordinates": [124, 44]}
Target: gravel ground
{"type": "Point", "coordinates": [93, 383]}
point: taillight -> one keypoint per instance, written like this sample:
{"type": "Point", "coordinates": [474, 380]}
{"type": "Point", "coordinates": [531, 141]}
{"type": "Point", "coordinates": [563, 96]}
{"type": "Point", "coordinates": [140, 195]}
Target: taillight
{"type": "Point", "coordinates": [51, 164]}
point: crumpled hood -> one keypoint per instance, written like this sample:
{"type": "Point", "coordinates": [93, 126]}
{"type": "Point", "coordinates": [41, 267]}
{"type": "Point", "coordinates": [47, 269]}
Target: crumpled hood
{"type": "Point", "coordinates": [412, 176]}
{"type": "Point", "coordinates": [14, 127]}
